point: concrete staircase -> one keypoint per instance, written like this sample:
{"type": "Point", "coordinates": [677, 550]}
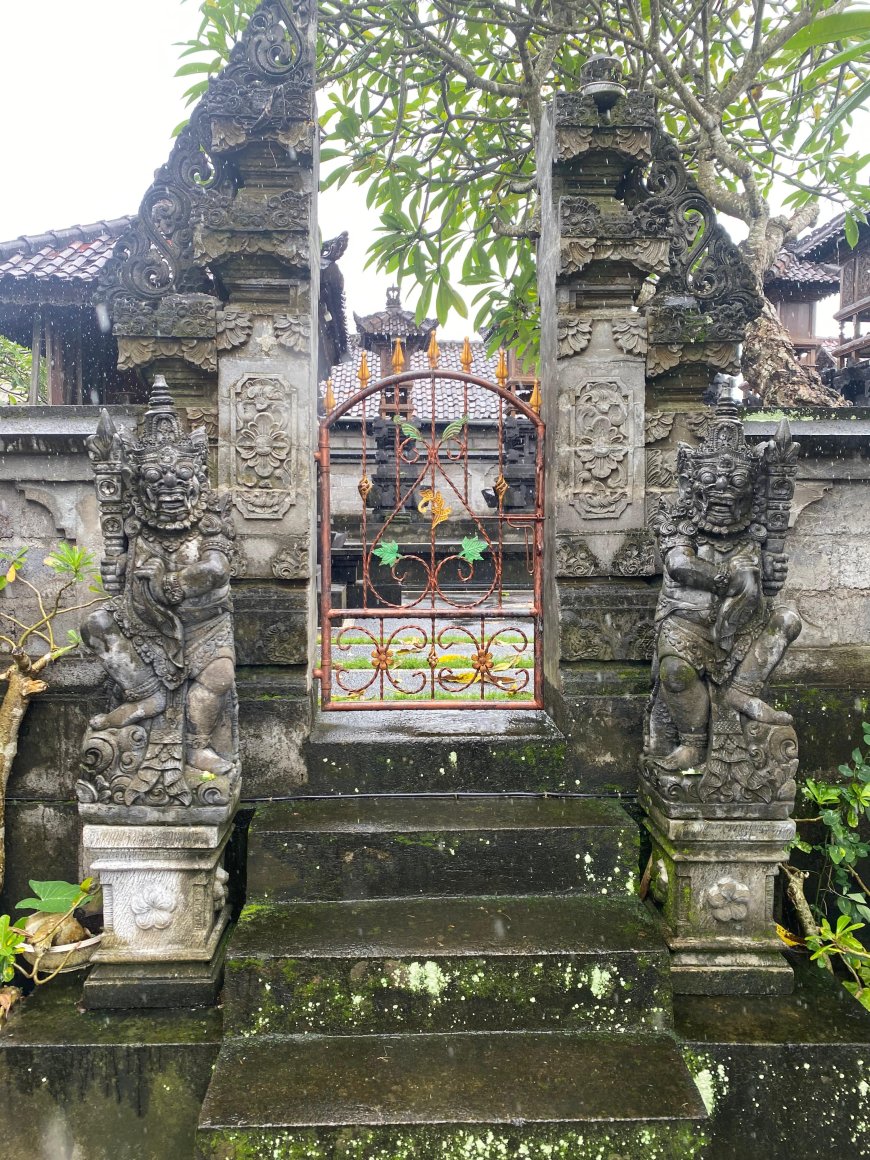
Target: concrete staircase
{"type": "Point", "coordinates": [446, 976]}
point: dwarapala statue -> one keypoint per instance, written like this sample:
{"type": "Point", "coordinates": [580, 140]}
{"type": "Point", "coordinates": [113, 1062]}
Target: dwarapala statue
{"type": "Point", "coordinates": [166, 637]}
{"type": "Point", "coordinates": [711, 737]}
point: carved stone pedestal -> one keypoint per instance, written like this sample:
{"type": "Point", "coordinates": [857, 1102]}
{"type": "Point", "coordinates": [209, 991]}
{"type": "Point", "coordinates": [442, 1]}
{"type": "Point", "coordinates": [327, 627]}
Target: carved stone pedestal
{"type": "Point", "coordinates": [165, 912]}
{"type": "Point", "coordinates": [713, 883]}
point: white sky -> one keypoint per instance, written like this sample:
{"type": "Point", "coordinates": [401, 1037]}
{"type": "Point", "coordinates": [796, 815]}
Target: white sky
{"type": "Point", "coordinates": [88, 102]}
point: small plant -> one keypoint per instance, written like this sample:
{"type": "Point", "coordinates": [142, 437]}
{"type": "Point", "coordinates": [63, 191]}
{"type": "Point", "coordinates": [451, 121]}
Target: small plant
{"type": "Point", "coordinates": [28, 640]}
{"type": "Point", "coordinates": [841, 807]}
{"type": "Point", "coordinates": [52, 935]}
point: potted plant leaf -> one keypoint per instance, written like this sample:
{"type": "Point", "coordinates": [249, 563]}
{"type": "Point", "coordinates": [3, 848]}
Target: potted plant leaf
{"type": "Point", "coordinates": [59, 935]}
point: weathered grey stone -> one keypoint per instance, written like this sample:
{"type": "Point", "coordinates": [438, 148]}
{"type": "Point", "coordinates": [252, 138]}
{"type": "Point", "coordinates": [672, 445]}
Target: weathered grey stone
{"type": "Point", "coordinates": [714, 884]}
{"type": "Point", "coordinates": [164, 909]}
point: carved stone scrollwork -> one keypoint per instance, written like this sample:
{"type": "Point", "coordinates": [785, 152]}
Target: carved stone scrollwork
{"type": "Point", "coordinates": [208, 420]}
{"type": "Point", "coordinates": [628, 132]}
{"type": "Point", "coordinates": [659, 425]}
{"type": "Point", "coordinates": [629, 334]}
{"type": "Point", "coordinates": [266, 87]}
{"type": "Point", "coordinates": [263, 418]}
{"type": "Point", "coordinates": [574, 335]}
{"type": "Point", "coordinates": [233, 328]}
{"type": "Point", "coordinates": [141, 352]}
{"type": "Point", "coordinates": [636, 555]}
{"type": "Point", "coordinates": [601, 449]}
{"type": "Point", "coordinates": [705, 268]}
{"type": "Point", "coordinates": [574, 558]}
{"type": "Point", "coordinates": [291, 562]}
{"type": "Point", "coordinates": [175, 316]}
{"type": "Point", "coordinates": [661, 470]}
{"type": "Point", "coordinates": [293, 332]}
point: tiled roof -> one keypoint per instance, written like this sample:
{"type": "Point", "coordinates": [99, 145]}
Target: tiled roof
{"type": "Point", "coordinates": [789, 267]}
{"type": "Point", "coordinates": [823, 240]}
{"type": "Point", "coordinates": [450, 400]}
{"type": "Point", "coordinates": [76, 254]}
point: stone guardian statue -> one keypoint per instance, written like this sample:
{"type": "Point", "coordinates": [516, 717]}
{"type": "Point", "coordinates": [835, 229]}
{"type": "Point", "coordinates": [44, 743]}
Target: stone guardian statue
{"type": "Point", "coordinates": [166, 637]}
{"type": "Point", "coordinates": [719, 636]}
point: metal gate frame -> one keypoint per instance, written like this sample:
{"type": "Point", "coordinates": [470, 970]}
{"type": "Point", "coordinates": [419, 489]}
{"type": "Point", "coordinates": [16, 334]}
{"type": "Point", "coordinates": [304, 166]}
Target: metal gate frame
{"type": "Point", "coordinates": [531, 524]}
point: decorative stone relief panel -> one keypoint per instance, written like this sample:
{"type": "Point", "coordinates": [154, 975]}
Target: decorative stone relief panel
{"type": "Point", "coordinates": [291, 562]}
{"type": "Point", "coordinates": [263, 418]}
{"type": "Point", "coordinates": [608, 625]}
{"type": "Point", "coordinates": [658, 425]}
{"type": "Point", "coordinates": [636, 556]}
{"type": "Point", "coordinates": [574, 335]}
{"type": "Point", "coordinates": [629, 334]}
{"type": "Point", "coordinates": [574, 558]}
{"type": "Point", "coordinates": [661, 470]}
{"type": "Point", "coordinates": [601, 448]}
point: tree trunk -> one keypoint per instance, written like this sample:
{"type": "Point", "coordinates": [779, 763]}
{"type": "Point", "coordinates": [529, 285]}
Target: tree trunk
{"type": "Point", "coordinates": [771, 367]}
{"type": "Point", "coordinates": [20, 688]}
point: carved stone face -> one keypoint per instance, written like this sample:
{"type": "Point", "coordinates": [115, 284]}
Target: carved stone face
{"type": "Point", "coordinates": [169, 487]}
{"type": "Point", "coordinates": [722, 494]}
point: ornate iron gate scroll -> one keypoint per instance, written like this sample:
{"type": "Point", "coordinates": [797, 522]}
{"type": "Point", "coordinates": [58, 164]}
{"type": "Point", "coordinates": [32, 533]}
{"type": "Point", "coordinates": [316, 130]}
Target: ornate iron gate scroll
{"type": "Point", "coordinates": [448, 595]}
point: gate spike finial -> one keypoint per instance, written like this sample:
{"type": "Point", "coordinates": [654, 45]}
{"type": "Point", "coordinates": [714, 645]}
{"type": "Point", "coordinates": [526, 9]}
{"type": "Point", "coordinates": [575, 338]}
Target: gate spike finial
{"type": "Point", "coordinates": [535, 400]}
{"type": "Point", "coordinates": [398, 357]}
{"type": "Point", "coordinates": [433, 353]}
{"type": "Point", "coordinates": [501, 372]}
{"type": "Point", "coordinates": [364, 374]}
{"type": "Point", "coordinates": [466, 358]}
{"type": "Point", "coordinates": [329, 398]}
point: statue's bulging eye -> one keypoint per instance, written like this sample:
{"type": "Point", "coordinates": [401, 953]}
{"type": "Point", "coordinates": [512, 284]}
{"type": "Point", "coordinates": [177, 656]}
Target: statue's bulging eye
{"type": "Point", "coordinates": [740, 479]}
{"type": "Point", "coordinates": [185, 473]}
{"type": "Point", "coordinates": [152, 475]}
{"type": "Point", "coordinates": [707, 477]}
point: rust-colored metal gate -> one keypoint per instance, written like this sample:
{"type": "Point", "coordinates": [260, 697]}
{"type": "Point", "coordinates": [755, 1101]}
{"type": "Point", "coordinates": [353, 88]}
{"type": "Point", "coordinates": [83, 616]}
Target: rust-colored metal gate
{"type": "Point", "coordinates": [441, 606]}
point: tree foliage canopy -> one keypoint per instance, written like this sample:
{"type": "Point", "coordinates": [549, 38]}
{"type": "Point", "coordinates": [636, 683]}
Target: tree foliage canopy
{"type": "Point", "coordinates": [434, 106]}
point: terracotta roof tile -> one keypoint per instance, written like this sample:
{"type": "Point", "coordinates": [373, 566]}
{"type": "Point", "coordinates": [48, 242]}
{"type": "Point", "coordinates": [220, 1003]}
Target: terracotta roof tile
{"type": "Point", "coordinates": [75, 254]}
{"type": "Point", "coordinates": [788, 266]}
{"type": "Point", "coordinates": [450, 400]}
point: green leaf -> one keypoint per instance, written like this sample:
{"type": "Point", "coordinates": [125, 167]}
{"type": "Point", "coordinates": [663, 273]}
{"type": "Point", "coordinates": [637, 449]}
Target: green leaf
{"type": "Point", "coordinates": [472, 549]}
{"type": "Point", "coordinates": [388, 553]}
{"type": "Point", "coordinates": [828, 29]}
{"type": "Point", "coordinates": [407, 429]}
{"type": "Point", "coordinates": [56, 897]}
{"type": "Point", "coordinates": [454, 429]}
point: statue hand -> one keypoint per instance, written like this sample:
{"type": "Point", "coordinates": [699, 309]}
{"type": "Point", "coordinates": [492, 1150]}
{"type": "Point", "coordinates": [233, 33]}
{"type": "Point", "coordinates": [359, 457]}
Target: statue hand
{"type": "Point", "coordinates": [775, 567]}
{"type": "Point", "coordinates": [112, 573]}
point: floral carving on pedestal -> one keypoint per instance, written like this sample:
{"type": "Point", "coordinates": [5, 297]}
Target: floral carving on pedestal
{"type": "Point", "coordinates": [153, 908]}
{"type": "Point", "coordinates": [728, 900]}
{"type": "Point", "coordinates": [600, 450]}
{"type": "Point", "coordinates": [264, 459]}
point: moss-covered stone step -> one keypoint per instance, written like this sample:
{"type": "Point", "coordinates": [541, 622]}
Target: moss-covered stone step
{"type": "Point", "coordinates": [418, 751]}
{"type": "Point", "coordinates": [446, 1097]}
{"type": "Point", "coordinates": [371, 847]}
{"type": "Point", "coordinates": [443, 964]}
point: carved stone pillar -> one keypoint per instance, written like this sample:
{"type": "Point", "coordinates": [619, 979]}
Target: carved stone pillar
{"type": "Point", "coordinates": [216, 285]}
{"type": "Point", "coordinates": [596, 252]}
